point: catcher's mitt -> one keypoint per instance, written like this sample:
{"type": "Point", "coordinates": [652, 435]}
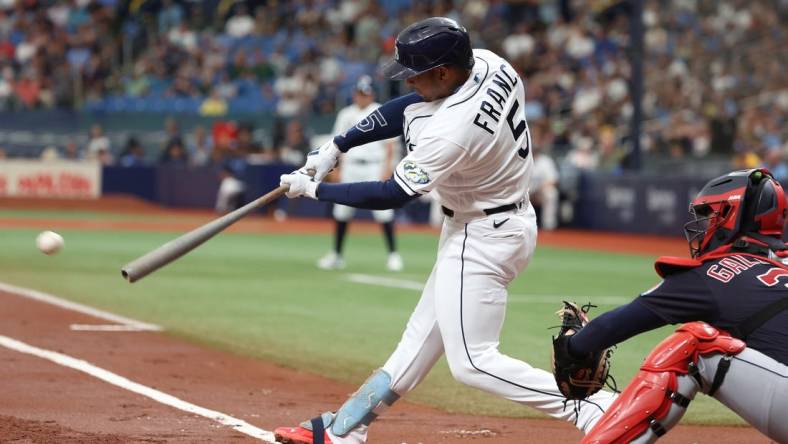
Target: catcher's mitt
{"type": "Point", "coordinates": [577, 378]}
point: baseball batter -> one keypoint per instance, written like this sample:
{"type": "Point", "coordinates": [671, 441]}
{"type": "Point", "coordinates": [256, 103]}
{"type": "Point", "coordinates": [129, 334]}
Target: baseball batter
{"type": "Point", "coordinates": [468, 143]}
{"type": "Point", "coordinates": [369, 162]}
{"type": "Point", "coordinates": [736, 283]}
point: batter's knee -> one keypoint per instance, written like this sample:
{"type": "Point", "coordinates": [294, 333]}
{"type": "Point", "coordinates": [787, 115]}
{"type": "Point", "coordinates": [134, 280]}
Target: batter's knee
{"type": "Point", "coordinates": [466, 373]}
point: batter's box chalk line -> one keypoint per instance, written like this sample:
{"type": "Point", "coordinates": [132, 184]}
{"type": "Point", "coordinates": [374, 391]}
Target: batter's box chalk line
{"type": "Point", "coordinates": [122, 323]}
{"type": "Point", "coordinates": [107, 376]}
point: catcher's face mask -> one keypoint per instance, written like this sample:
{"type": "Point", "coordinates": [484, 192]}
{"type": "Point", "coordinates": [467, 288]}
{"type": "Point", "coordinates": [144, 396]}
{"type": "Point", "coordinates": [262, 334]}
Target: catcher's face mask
{"type": "Point", "coordinates": [733, 205]}
{"type": "Point", "coordinates": [705, 220]}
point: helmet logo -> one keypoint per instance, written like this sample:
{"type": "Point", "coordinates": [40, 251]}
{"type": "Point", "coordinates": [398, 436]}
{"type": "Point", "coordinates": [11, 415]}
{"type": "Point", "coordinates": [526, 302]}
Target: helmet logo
{"type": "Point", "coordinates": [396, 53]}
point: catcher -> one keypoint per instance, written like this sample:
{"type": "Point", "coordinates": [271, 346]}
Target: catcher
{"type": "Point", "coordinates": [735, 283]}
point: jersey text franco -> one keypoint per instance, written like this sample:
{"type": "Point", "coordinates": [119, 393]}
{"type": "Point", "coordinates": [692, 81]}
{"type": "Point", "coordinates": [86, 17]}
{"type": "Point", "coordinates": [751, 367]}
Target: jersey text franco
{"type": "Point", "coordinates": [473, 148]}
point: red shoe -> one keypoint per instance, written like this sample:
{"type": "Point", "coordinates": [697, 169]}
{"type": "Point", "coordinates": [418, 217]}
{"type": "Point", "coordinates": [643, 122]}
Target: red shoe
{"type": "Point", "coordinates": [296, 435]}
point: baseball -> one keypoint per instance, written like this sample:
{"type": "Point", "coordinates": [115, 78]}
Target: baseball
{"type": "Point", "coordinates": [49, 242]}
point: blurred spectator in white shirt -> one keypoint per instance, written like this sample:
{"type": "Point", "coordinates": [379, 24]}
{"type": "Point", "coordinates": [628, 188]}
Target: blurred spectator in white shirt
{"type": "Point", "coordinates": [183, 37]}
{"type": "Point", "coordinates": [49, 154]}
{"type": "Point", "coordinates": [6, 87]}
{"type": "Point", "coordinates": [579, 45]}
{"type": "Point", "coordinates": [296, 90]}
{"type": "Point", "coordinates": [582, 156]}
{"type": "Point", "coordinates": [288, 88]}
{"type": "Point", "coordinates": [241, 23]}
{"type": "Point", "coordinates": [98, 147]}
{"type": "Point", "coordinates": [519, 44]}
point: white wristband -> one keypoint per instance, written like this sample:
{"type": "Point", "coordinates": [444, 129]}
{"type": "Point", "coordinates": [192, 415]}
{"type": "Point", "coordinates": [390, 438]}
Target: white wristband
{"type": "Point", "coordinates": [311, 190]}
{"type": "Point", "coordinates": [334, 149]}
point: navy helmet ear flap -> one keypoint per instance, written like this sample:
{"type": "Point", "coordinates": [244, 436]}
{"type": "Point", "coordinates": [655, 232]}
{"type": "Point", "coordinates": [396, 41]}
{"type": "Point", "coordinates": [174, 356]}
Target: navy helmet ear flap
{"type": "Point", "coordinates": [759, 199]}
{"type": "Point", "coordinates": [767, 198]}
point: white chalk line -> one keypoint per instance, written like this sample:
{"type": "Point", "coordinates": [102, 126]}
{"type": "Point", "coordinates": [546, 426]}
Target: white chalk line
{"type": "Point", "coordinates": [124, 383]}
{"type": "Point", "coordinates": [124, 324]}
{"type": "Point", "coordinates": [128, 323]}
{"type": "Point", "coordinates": [384, 281]}
{"type": "Point", "coordinates": [105, 327]}
{"type": "Point", "coordinates": [405, 284]}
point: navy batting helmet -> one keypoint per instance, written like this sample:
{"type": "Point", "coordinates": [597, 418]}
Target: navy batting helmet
{"type": "Point", "coordinates": [427, 44]}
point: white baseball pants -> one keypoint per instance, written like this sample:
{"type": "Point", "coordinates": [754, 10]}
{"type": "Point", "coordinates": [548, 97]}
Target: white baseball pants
{"type": "Point", "coordinates": [461, 313]}
{"type": "Point", "coordinates": [360, 172]}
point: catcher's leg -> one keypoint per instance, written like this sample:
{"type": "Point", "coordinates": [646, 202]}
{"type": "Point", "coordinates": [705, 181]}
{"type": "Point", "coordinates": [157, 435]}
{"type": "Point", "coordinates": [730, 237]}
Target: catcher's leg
{"type": "Point", "coordinates": [668, 380]}
{"type": "Point", "coordinates": [756, 388]}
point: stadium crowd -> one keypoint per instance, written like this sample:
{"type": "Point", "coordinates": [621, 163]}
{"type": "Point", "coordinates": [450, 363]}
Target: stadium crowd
{"type": "Point", "coordinates": [714, 80]}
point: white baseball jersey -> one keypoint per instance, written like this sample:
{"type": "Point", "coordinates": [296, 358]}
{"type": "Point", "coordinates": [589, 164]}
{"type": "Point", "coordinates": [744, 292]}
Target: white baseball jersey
{"type": "Point", "coordinates": [473, 147]}
{"type": "Point", "coordinates": [364, 163]}
{"type": "Point", "coordinates": [374, 152]}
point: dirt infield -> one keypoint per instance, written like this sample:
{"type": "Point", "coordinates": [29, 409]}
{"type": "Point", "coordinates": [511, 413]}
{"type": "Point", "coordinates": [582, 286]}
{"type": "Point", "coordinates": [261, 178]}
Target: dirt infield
{"type": "Point", "coordinates": [43, 402]}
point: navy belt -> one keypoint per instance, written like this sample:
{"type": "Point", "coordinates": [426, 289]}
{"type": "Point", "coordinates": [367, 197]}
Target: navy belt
{"type": "Point", "coordinates": [490, 211]}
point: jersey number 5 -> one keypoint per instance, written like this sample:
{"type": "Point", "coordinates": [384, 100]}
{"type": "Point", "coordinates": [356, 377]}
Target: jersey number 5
{"type": "Point", "coordinates": [517, 130]}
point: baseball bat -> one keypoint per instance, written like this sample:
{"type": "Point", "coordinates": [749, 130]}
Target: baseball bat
{"type": "Point", "coordinates": [172, 250]}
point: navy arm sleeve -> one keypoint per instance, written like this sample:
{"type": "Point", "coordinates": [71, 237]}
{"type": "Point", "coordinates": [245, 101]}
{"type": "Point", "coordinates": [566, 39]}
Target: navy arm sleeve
{"type": "Point", "coordinates": [383, 123]}
{"type": "Point", "coordinates": [369, 195]}
{"type": "Point", "coordinates": [683, 297]}
{"type": "Point", "coordinates": [613, 327]}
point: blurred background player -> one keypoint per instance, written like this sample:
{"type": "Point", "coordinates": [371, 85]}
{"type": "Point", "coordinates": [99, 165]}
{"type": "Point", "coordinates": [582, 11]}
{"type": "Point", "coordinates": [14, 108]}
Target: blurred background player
{"type": "Point", "coordinates": [543, 189]}
{"type": "Point", "coordinates": [372, 161]}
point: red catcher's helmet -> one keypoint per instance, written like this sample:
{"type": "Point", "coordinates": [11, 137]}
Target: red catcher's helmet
{"type": "Point", "coordinates": [742, 203]}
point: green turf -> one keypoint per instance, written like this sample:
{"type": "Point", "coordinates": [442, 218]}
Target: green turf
{"type": "Point", "coordinates": [262, 296]}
